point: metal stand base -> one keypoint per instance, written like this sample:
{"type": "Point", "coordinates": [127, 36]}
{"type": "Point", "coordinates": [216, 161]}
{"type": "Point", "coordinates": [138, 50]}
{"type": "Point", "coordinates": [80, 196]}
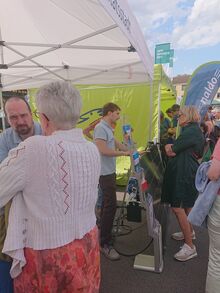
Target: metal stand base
{"type": "Point", "coordinates": [147, 263]}
{"type": "Point", "coordinates": [152, 263]}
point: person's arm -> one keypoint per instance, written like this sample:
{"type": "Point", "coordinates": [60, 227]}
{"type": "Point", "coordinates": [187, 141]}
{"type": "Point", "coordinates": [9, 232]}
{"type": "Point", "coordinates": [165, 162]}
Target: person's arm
{"type": "Point", "coordinates": [104, 150]}
{"type": "Point", "coordinates": [87, 133]}
{"type": "Point", "coordinates": [12, 174]}
{"type": "Point", "coordinates": [185, 140]}
{"type": "Point", "coordinates": [3, 147]}
{"type": "Point", "coordinates": [214, 170]}
{"type": "Point", "coordinates": [88, 129]}
{"type": "Point", "coordinates": [120, 146]}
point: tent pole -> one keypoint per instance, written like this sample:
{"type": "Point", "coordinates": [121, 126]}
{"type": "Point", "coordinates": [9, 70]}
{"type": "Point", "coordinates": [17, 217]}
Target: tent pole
{"type": "Point", "coordinates": [159, 98]}
{"type": "Point", "coordinates": [103, 71]}
{"type": "Point", "coordinates": [35, 62]}
{"type": "Point", "coordinates": [151, 110]}
{"type": "Point", "coordinates": [1, 98]}
{"type": "Point", "coordinates": [158, 122]}
{"type": "Point", "coordinates": [64, 44]}
{"type": "Point", "coordinates": [2, 105]}
{"type": "Point", "coordinates": [23, 79]}
{"type": "Point", "coordinates": [58, 46]}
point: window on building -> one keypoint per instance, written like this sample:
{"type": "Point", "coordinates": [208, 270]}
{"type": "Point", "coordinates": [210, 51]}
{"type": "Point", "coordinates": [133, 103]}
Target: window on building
{"type": "Point", "coordinates": [218, 95]}
{"type": "Point", "coordinates": [183, 87]}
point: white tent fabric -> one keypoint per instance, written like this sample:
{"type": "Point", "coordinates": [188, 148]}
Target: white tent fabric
{"type": "Point", "coordinates": [83, 41]}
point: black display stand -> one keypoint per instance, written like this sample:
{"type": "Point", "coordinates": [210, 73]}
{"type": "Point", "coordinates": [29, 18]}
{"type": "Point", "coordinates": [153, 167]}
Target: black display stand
{"type": "Point", "coordinates": [153, 263]}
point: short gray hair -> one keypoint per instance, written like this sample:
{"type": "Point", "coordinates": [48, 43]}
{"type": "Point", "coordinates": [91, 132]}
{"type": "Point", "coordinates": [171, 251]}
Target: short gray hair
{"type": "Point", "coordinates": [60, 102]}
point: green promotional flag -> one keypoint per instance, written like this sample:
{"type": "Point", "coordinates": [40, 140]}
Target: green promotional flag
{"type": "Point", "coordinates": [135, 103]}
{"type": "Point", "coordinates": [162, 53]}
{"type": "Point", "coordinates": [203, 86]}
{"type": "Point", "coordinates": [133, 99]}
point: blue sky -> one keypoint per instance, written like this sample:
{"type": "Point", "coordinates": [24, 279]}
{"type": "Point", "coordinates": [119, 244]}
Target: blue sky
{"type": "Point", "coordinates": [191, 26]}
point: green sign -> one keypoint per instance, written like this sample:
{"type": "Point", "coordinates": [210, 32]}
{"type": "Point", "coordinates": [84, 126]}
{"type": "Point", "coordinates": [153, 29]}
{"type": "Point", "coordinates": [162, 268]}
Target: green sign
{"type": "Point", "coordinates": [163, 53]}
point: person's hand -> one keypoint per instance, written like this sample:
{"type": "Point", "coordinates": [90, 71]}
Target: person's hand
{"type": "Point", "coordinates": [168, 147]}
{"type": "Point", "coordinates": [141, 153]}
{"type": "Point", "coordinates": [171, 130]}
{"type": "Point", "coordinates": [169, 151]}
{"type": "Point", "coordinates": [126, 153]}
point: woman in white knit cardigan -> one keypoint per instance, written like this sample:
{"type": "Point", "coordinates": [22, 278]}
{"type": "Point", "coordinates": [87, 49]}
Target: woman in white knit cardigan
{"type": "Point", "coordinates": [52, 179]}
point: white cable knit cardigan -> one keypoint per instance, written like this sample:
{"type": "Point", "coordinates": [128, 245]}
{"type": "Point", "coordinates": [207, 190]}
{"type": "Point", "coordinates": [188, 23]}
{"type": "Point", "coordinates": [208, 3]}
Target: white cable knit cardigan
{"type": "Point", "coordinates": [53, 182]}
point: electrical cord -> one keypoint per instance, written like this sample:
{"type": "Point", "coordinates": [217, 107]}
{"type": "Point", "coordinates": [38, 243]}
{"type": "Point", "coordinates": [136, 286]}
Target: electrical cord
{"type": "Point", "coordinates": [122, 217]}
{"type": "Point", "coordinates": [119, 233]}
{"type": "Point", "coordinates": [127, 227]}
{"type": "Point", "coordinates": [134, 254]}
{"type": "Point", "coordinates": [130, 230]}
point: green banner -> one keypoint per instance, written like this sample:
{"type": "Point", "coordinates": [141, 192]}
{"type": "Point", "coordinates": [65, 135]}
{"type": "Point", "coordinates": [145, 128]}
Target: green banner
{"type": "Point", "coordinates": [162, 53]}
{"type": "Point", "coordinates": [134, 101]}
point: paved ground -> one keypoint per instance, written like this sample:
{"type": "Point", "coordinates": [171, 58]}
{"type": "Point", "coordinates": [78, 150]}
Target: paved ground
{"type": "Point", "coordinates": [177, 277]}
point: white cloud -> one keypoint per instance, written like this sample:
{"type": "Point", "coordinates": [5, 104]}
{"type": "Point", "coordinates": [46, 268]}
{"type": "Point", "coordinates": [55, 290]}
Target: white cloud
{"type": "Point", "coordinates": [151, 12]}
{"type": "Point", "coordinates": [184, 23]}
{"type": "Point", "coordinates": [202, 27]}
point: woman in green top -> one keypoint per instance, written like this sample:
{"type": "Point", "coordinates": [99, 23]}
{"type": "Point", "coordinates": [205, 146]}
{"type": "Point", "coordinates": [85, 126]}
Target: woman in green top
{"type": "Point", "coordinates": [179, 180]}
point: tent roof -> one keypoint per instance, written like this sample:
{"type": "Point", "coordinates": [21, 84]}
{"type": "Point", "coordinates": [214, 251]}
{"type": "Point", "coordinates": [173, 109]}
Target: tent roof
{"type": "Point", "coordinates": [86, 42]}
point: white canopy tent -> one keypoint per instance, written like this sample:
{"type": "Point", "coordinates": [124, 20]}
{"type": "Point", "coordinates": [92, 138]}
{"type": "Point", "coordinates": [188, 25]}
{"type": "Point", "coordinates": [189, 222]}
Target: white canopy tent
{"type": "Point", "coordinates": [83, 41]}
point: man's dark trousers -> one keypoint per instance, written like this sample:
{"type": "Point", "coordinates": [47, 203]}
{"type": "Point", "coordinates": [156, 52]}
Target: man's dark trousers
{"type": "Point", "coordinates": [108, 187]}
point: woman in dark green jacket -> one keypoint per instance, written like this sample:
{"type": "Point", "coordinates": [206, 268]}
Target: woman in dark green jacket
{"type": "Point", "coordinates": [179, 179]}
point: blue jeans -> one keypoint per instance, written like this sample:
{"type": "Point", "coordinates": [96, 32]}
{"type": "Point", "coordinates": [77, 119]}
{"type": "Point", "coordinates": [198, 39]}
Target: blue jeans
{"type": "Point", "coordinates": [6, 282]}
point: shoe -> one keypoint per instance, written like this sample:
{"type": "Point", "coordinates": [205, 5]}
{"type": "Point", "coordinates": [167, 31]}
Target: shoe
{"type": "Point", "coordinates": [186, 253]}
{"type": "Point", "coordinates": [179, 236]}
{"type": "Point", "coordinates": [110, 252]}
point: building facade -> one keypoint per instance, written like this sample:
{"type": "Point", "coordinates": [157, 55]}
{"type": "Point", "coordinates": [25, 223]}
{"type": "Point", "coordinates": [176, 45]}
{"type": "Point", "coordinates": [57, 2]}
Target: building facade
{"type": "Point", "coordinates": [180, 83]}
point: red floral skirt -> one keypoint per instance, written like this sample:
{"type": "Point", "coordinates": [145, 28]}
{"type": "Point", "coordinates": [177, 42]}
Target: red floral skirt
{"type": "Point", "coordinates": [72, 268]}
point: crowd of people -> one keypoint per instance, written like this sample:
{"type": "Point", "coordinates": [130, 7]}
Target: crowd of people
{"type": "Point", "coordinates": [178, 186]}
{"type": "Point", "coordinates": [50, 178]}
{"type": "Point", "coordinates": [197, 142]}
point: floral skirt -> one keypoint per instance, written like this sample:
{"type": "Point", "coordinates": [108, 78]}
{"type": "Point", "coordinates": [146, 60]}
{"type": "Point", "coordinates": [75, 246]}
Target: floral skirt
{"type": "Point", "coordinates": [72, 268]}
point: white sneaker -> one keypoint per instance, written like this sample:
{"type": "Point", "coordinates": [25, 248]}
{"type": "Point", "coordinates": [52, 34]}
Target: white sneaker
{"type": "Point", "coordinates": [179, 236]}
{"type": "Point", "coordinates": [186, 253]}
